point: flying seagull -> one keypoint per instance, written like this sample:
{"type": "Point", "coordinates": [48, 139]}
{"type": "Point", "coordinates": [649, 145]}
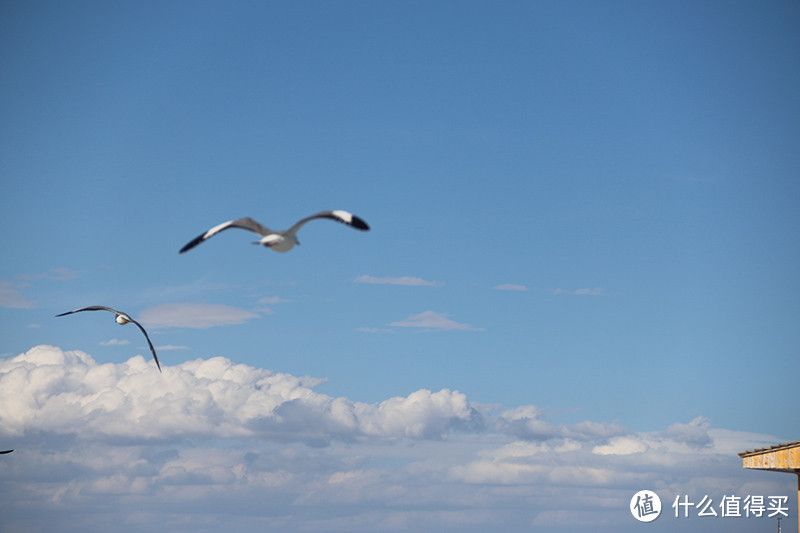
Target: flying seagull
{"type": "Point", "coordinates": [121, 319]}
{"type": "Point", "coordinates": [280, 241]}
{"type": "Point", "coordinates": [6, 451]}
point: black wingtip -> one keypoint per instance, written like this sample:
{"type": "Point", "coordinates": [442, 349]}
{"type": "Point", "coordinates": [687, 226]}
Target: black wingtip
{"type": "Point", "coordinates": [359, 224]}
{"type": "Point", "coordinates": [191, 244]}
{"type": "Point", "coordinates": [5, 451]}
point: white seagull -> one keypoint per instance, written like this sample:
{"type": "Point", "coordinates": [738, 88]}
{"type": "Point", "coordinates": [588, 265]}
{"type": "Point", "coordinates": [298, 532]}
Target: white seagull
{"type": "Point", "coordinates": [280, 241]}
{"type": "Point", "coordinates": [122, 319]}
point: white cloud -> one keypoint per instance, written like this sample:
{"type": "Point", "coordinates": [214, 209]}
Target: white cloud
{"type": "Point", "coordinates": [695, 433]}
{"type": "Point", "coordinates": [12, 298]}
{"type": "Point", "coordinates": [510, 287]}
{"type": "Point", "coordinates": [211, 445]}
{"type": "Point", "coordinates": [620, 446]}
{"type": "Point", "coordinates": [402, 280]}
{"type": "Point", "coordinates": [194, 315]}
{"type": "Point", "coordinates": [168, 347]}
{"type": "Point", "coordinates": [115, 342]}
{"type": "Point", "coordinates": [528, 422]}
{"type": "Point", "coordinates": [269, 300]}
{"type": "Point", "coordinates": [597, 291]}
{"type": "Point", "coordinates": [272, 300]}
{"type": "Point", "coordinates": [432, 320]}
{"type": "Point", "coordinates": [213, 398]}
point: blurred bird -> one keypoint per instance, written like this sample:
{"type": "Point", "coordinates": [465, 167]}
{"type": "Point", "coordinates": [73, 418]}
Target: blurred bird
{"type": "Point", "coordinates": [279, 241]}
{"type": "Point", "coordinates": [121, 319]}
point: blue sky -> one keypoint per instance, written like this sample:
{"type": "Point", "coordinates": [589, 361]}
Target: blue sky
{"type": "Point", "coordinates": [584, 215]}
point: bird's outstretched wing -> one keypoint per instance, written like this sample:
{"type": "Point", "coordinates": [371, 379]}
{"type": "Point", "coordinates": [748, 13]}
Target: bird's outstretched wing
{"type": "Point", "coordinates": [94, 308]}
{"type": "Point", "coordinates": [338, 215]}
{"type": "Point", "coordinates": [150, 344]}
{"type": "Point", "coordinates": [127, 317]}
{"type": "Point", "coordinates": [5, 451]}
{"type": "Point", "coordinates": [243, 223]}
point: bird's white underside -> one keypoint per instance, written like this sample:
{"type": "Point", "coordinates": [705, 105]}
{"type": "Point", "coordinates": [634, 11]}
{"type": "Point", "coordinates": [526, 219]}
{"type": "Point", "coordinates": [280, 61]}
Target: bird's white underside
{"type": "Point", "coordinates": [279, 243]}
{"type": "Point", "coordinates": [216, 229]}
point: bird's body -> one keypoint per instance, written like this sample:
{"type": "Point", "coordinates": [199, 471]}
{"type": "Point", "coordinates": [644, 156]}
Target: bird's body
{"type": "Point", "coordinates": [279, 241]}
{"type": "Point", "coordinates": [122, 319]}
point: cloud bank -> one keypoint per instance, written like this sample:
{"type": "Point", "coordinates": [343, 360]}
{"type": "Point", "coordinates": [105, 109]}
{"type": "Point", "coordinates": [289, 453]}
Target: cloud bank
{"type": "Point", "coordinates": [47, 389]}
{"type": "Point", "coordinates": [213, 445]}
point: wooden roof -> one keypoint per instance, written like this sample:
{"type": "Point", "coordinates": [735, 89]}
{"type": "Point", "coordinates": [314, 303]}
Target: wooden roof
{"type": "Point", "coordinates": [780, 458]}
{"type": "Point", "coordinates": [771, 448]}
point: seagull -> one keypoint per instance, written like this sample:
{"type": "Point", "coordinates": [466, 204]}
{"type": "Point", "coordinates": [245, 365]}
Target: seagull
{"type": "Point", "coordinates": [122, 319]}
{"type": "Point", "coordinates": [6, 451]}
{"type": "Point", "coordinates": [279, 241]}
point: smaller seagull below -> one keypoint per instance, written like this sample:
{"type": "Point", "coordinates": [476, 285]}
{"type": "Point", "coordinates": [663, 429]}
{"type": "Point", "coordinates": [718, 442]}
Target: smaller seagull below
{"type": "Point", "coordinates": [279, 241]}
{"type": "Point", "coordinates": [121, 319]}
{"type": "Point", "coordinates": [5, 451]}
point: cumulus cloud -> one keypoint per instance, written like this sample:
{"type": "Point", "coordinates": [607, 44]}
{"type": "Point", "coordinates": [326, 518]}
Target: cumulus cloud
{"type": "Point", "coordinates": [621, 446]}
{"type": "Point", "coordinates": [528, 422]}
{"type": "Point", "coordinates": [432, 320]}
{"type": "Point", "coordinates": [695, 433]}
{"type": "Point", "coordinates": [194, 315]}
{"type": "Point", "coordinates": [510, 287]}
{"type": "Point", "coordinates": [402, 280]}
{"type": "Point", "coordinates": [586, 459]}
{"type": "Point", "coordinates": [213, 445]}
{"type": "Point", "coordinates": [48, 389]}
